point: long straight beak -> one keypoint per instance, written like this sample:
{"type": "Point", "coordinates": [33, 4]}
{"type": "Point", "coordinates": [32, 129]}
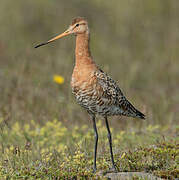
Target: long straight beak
{"type": "Point", "coordinates": [66, 33]}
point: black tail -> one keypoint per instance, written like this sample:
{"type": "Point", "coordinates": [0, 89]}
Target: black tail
{"type": "Point", "coordinates": [139, 114]}
{"type": "Point", "coordinates": [132, 111]}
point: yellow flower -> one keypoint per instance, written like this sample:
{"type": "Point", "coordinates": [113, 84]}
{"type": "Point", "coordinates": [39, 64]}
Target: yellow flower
{"type": "Point", "coordinates": [58, 79]}
{"type": "Point", "coordinates": [123, 155]}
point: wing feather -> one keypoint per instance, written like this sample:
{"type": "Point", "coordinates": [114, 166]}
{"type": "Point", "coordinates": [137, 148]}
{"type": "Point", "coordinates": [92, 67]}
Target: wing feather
{"type": "Point", "coordinates": [112, 95]}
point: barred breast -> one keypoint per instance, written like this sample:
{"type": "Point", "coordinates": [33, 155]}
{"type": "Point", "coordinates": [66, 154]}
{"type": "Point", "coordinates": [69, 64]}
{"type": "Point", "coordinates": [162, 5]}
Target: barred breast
{"type": "Point", "coordinates": [99, 94]}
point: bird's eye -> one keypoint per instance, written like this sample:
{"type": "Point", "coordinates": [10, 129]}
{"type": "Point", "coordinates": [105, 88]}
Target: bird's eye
{"type": "Point", "coordinates": [77, 25]}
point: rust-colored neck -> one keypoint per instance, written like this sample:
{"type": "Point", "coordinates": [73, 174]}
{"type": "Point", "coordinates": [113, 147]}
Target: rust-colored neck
{"type": "Point", "coordinates": [82, 51]}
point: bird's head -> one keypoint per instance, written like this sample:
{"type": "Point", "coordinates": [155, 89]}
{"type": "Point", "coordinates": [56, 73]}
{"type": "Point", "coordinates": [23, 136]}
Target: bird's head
{"type": "Point", "coordinates": [79, 25]}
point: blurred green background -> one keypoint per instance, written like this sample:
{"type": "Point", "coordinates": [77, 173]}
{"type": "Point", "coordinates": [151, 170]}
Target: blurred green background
{"type": "Point", "coordinates": [135, 42]}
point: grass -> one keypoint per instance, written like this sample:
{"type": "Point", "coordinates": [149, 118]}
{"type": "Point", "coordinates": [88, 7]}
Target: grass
{"type": "Point", "coordinates": [53, 151]}
{"type": "Point", "coordinates": [135, 42]}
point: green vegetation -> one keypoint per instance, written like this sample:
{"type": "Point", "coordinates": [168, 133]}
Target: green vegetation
{"type": "Point", "coordinates": [136, 42]}
{"type": "Point", "coordinates": [54, 151]}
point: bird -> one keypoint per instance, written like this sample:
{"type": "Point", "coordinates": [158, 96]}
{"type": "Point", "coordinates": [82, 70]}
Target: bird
{"type": "Point", "coordinates": [93, 89]}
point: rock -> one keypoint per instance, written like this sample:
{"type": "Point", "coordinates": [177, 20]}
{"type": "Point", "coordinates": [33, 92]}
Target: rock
{"type": "Point", "coordinates": [130, 176]}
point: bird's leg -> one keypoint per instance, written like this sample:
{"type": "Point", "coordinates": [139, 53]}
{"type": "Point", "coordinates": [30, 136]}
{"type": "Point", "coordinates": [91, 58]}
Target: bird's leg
{"type": "Point", "coordinates": [96, 141]}
{"type": "Point", "coordinates": [110, 143]}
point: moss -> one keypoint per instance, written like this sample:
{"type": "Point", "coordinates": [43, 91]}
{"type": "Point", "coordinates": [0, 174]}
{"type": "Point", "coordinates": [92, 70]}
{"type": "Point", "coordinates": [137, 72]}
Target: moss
{"type": "Point", "coordinates": [168, 174]}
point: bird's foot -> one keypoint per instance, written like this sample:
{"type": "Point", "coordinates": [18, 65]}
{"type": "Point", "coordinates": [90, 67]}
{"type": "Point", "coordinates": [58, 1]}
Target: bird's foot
{"type": "Point", "coordinates": [94, 170]}
{"type": "Point", "coordinates": [113, 169]}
